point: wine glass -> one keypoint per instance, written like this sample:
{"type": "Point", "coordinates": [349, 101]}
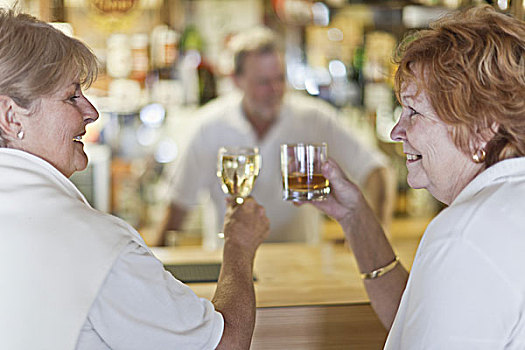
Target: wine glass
{"type": "Point", "coordinates": [238, 167]}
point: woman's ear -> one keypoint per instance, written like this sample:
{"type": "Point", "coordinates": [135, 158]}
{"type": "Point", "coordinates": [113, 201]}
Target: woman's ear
{"type": "Point", "coordinates": [484, 135]}
{"type": "Point", "coordinates": [9, 124]}
{"type": "Point", "coordinates": [494, 128]}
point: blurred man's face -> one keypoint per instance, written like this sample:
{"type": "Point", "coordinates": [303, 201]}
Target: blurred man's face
{"type": "Point", "coordinates": [263, 83]}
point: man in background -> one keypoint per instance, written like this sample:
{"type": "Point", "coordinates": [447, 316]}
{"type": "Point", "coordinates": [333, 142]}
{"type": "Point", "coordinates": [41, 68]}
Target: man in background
{"type": "Point", "coordinates": [263, 114]}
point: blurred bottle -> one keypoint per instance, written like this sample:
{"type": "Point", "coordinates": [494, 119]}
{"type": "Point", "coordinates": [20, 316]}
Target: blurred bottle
{"type": "Point", "coordinates": [139, 58]}
{"type": "Point", "coordinates": [196, 72]}
{"type": "Point", "coordinates": [164, 51]}
{"type": "Point", "coordinates": [207, 82]}
{"type": "Point", "coordinates": [163, 82]}
{"type": "Point", "coordinates": [358, 62]}
{"type": "Point", "coordinates": [191, 39]}
{"type": "Point", "coordinates": [119, 59]}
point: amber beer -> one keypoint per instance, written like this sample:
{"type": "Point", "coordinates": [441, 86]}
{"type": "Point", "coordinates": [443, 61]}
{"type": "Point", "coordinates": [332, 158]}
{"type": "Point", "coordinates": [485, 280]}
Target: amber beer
{"type": "Point", "coordinates": [301, 172]}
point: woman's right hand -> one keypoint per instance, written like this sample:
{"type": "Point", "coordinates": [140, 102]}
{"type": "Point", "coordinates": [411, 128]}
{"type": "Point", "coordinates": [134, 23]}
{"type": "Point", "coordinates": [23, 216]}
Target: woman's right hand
{"type": "Point", "coordinates": [246, 224]}
{"type": "Point", "coordinates": [345, 200]}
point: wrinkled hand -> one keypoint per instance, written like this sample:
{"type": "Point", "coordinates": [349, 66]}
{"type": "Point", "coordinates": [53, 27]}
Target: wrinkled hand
{"type": "Point", "coordinates": [246, 224]}
{"type": "Point", "coordinates": [345, 199]}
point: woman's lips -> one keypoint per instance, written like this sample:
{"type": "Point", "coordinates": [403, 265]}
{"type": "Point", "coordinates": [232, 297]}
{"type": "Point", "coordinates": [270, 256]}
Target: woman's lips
{"type": "Point", "coordinates": [78, 138]}
{"type": "Point", "coordinates": [413, 157]}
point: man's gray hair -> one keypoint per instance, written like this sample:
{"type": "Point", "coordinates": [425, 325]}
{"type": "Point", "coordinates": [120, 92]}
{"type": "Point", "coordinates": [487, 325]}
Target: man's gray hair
{"type": "Point", "coordinates": [258, 40]}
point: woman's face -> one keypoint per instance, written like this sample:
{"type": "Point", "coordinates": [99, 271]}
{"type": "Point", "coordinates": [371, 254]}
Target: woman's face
{"type": "Point", "coordinates": [55, 130]}
{"type": "Point", "coordinates": [433, 160]}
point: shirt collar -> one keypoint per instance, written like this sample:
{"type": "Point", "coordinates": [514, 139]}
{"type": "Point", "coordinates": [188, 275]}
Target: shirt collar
{"type": "Point", "coordinates": [240, 121]}
{"type": "Point", "coordinates": [499, 172]}
{"type": "Point", "coordinates": [234, 115]}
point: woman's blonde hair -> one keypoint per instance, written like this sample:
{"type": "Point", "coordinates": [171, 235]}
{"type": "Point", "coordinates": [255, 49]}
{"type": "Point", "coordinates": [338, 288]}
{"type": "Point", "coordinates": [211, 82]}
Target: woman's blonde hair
{"type": "Point", "coordinates": [36, 60]}
{"type": "Point", "coordinates": [473, 68]}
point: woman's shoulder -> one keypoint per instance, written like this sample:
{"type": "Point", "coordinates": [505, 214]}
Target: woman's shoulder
{"type": "Point", "coordinates": [491, 223]}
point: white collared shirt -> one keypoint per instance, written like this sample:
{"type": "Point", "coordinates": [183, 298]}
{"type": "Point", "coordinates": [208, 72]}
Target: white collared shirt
{"type": "Point", "coordinates": [467, 286]}
{"type": "Point", "coordinates": [73, 275]}
{"type": "Point", "coordinates": [141, 306]}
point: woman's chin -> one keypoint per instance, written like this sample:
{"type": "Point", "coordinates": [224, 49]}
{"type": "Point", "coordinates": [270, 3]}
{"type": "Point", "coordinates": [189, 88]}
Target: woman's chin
{"type": "Point", "coordinates": [80, 163]}
{"type": "Point", "coordinates": [82, 166]}
{"type": "Point", "coordinates": [415, 183]}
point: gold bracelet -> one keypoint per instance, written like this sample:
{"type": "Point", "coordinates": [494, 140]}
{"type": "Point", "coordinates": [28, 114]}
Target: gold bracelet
{"type": "Point", "coordinates": [380, 271]}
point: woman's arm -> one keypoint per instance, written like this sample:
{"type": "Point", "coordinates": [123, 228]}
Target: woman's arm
{"type": "Point", "coordinates": [379, 191]}
{"type": "Point", "coordinates": [371, 248]}
{"type": "Point", "coordinates": [245, 228]}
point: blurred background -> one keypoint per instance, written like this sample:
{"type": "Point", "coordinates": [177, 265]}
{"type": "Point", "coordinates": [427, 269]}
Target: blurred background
{"type": "Point", "coordinates": [162, 59]}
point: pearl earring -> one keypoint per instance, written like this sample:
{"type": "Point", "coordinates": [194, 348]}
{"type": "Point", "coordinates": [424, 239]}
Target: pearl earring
{"type": "Point", "coordinates": [479, 156]}
{"type": "Point", "coordinates": [20, 134]}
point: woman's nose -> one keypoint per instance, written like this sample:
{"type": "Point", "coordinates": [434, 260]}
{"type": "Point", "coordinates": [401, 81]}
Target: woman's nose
{"type": "Point", "coordinates": [89, 112]}
{"type": "Point", "coordinates": [398, 133]}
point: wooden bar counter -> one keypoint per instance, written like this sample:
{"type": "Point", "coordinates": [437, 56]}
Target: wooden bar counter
{"type": "Point", "coordinates": [308, 296]}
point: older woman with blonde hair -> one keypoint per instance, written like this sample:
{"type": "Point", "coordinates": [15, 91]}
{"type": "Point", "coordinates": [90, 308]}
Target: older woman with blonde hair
{"type": "Point", "coordinates": [72, 277]}
{"type": "Point", "coordinates": [461, 84]}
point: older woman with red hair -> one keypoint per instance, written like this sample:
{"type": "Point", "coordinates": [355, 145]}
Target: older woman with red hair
{"type": "Point", "coordinates": [462, 87]}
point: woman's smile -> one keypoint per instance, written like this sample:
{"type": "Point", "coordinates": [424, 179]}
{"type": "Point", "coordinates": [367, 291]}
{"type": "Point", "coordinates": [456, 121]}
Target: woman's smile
{"type": "Point", "coordinates": [411, 158]}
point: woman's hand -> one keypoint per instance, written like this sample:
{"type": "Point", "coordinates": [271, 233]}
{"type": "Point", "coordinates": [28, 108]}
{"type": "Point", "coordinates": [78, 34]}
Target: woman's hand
{"type": "Point", "coordinates": [246, 224]}
{"type": "Point", "coordinates": [345, 200]}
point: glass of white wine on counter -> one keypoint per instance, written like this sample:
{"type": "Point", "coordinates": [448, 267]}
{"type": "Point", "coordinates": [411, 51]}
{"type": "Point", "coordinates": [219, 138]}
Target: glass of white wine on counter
{"type": "Point", "coordinates": [237, 168]}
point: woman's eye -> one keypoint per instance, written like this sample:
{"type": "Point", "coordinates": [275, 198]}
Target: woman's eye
{"type": "Point", "coordinates": [412, 112]}
{"type": "Point", "coordinates": [74, 98]}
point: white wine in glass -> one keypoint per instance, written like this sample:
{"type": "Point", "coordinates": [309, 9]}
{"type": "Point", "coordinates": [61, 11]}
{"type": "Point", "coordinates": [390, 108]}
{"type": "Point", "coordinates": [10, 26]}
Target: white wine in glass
{"type": "Point", "coordinates": [238, 167]}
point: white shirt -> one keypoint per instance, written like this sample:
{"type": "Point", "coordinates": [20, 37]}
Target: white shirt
{"type": "Point", "coordinates": [74, 277]}
{"type": "Point", "coordinates": [302, 119]}
{"type": "Point", "coordinates": [56, 252]}
{"type": "Point", "coordinates": [467, 286]}
{"type": "Point", "coordinates": [141, 306]}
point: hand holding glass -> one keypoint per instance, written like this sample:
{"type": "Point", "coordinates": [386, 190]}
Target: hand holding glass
{"type": "Point", "coordinates": [301, 172]}
{"type": "Point", "coordinates": [238, 167]}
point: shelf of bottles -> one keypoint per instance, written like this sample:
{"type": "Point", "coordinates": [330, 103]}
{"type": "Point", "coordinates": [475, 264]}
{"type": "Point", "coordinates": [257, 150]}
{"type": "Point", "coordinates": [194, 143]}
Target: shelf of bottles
{"type": "Point", "coordinates": [161, 59]}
